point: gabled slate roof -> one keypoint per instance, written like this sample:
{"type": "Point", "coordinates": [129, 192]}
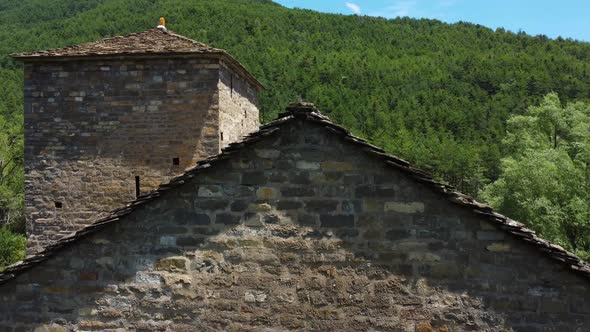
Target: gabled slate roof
{"type": "Point", "coordinates": [308, 112]}
{"type": "Point", "coordinates": [156, 42]}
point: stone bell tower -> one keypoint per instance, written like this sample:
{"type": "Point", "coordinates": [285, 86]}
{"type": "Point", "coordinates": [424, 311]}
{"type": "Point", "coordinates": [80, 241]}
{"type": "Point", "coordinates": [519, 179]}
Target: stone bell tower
{"type": "Point", "coordinates": [108, 120]}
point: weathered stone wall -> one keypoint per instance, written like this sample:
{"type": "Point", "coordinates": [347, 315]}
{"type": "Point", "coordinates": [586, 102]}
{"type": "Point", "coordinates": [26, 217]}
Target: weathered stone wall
{"type": "Point", "coordinates": [302, 231]}
{"type": "Point", "coordinates": [238, 102]}
{"type": "Point", "coordinates": [92, 126]}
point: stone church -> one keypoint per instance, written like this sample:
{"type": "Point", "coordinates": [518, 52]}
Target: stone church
{"type": "Point", "coordinates": [157, 202]}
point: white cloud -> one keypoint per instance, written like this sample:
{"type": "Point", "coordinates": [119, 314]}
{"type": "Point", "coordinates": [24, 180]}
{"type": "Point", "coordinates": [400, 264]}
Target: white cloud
{"type": "Point", "coordinates": [354, 7]}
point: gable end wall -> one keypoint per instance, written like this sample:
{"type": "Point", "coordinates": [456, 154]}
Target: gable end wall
{"type": "Point", "coordinates": [301, 231]}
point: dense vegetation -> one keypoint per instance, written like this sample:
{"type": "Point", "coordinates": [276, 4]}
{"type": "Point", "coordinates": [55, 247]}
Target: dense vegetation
{"type": "Point", "coordinates": [545, 177]}
{"type": "Point", "coordinates": [436, 94]}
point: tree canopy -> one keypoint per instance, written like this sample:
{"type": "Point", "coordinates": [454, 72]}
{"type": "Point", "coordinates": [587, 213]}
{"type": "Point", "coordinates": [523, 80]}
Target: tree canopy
{"type": "Point", "coordinates": [545, 178]}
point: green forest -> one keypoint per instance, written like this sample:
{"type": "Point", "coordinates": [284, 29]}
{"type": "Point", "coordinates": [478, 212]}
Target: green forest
{"type": "Point", "coordinates": [501, 115]}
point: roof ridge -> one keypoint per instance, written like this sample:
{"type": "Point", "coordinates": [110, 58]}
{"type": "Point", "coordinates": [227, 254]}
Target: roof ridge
{"type": "Point", "coordinates": [309, 112]}
{"type": "Point", "coordinates": [174, 34]}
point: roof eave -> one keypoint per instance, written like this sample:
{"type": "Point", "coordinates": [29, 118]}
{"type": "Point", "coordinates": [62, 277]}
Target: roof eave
{"type": "Point", "coordinates": [217, 54]}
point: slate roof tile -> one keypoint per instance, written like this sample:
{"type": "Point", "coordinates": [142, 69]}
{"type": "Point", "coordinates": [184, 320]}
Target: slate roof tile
{"type": "Point", "coordinates": [150, 41]}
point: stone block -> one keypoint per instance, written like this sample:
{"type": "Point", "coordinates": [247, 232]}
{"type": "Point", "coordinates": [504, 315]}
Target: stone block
{"type": "Point", "coordinates": [168, 241]}
{"type": "Point", "coordinates": [205, 231]}
{"type": "Point", "coordinates": [336, 221]}
{"type": "Point", "coordinates": [172, 264]}
{"type": "Point", "coordinates": [351, 206]}
{"type": "Point", "coordinates": [186, 217]}
{"type": "Point", "coordinates": [261, 207]}
{"type": "Point", "coordinates": [372, 205]}
{"type": "Point", "coordinates": [423, 257]}
{"type": "Point", "coordinates": [579, 304]}
{"type": "Point", "coordinates": [326, 178]}
{"type": "Point", "coordinates": [402, 207]}
{"type": "Point", "coordinates": [289, 205]}
{"type": "Point", "coordinates": [552, 306]}
{"type": "Point", "coordinates": [490, 235]}
{"type": "Point", "coordinates": [397, 234]}
{"type": "Point", "coordinates": [96, 325]}
{"type": "Point", "coordinates": [240, 164]}
{"type": "Point", "coordinates": [88, 276]}
{"type": "Point", "coordinates": [50, 328]}
{"type": "Point", "coordinates": [254, 221]}
{"type": "Point", "coordinates": [255, 297]}
{"type": "Point", "coordinates": [424, 327]}
{"type": "Point", "coordinates": [266, 193]}
{"type": "Point", "coordinates": [448, 270]}
{"type": "Point", "coordinates": [498, 247]}
{"type": "Point", "coordinates": [271, 219]}
{"type": "Point", "coordinates": [254, 178]}
{"type": "Point", "coordinates": [336, 166]}
{"type": "Point", "coordinates": [210, 191]}
{"type": "Point", "coordinates": [363, 191]}
{"type": "Point", "coordinates": [298, 192]}
{"type": "Point", "coordinates": [212, 204]}
{"type": "Point", "coordinates": [321, 206]}
{"type": "Point", "coordinates": [299, 178]}
{"type": "Point", "coordinates": [306, 165]}
{"type": "Point", "coordinates": [189, 241]}
{"type": "Point", "coordinates": [267, 153]}
{"type": "Point", "coordinates": [227, 219]}
{"type": "Point", "coordinates": [239, 206]}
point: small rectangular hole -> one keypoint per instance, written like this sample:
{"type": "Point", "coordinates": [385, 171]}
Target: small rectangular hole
{"type": "Point", "coordinates": [59, 205]}
{"type": "Point", "coordinates": [175, 161]}
{"type": "Point", "coordinates": [222, 136]}
{"type": "Point", "coordinates": [137, 191]}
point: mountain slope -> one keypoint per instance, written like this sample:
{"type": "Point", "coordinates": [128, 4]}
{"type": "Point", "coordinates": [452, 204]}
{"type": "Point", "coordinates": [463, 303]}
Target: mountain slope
{"type": "Point", "coordinates": [436, 94]}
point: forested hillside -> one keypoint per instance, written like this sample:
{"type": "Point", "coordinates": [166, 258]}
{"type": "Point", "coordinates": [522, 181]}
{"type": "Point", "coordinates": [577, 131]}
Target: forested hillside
{"type": "Point", "coordinates": [438, 95]}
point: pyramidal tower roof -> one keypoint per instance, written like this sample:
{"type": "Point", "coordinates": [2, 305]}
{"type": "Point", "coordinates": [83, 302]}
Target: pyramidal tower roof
{"type": "Point", "coordinates": [152, 41]}
{"type": "Point", "coordinates": [156, 42]}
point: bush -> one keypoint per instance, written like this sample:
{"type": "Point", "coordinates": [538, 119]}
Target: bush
{"type": "Point", "coordinates": [12, 247]}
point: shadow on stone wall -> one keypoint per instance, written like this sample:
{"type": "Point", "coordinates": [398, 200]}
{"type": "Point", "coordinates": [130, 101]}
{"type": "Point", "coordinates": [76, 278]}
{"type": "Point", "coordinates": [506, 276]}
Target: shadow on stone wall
{"type": "Point", "coordinates": [298, 233]}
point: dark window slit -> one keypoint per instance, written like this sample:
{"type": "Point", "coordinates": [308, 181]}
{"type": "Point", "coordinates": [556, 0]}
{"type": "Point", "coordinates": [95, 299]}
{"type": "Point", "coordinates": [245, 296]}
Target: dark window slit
{"type": "Point", "coordinates": [137, 191]}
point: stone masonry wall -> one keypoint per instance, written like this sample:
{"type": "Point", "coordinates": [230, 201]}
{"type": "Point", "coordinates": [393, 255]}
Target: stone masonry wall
{"type": "Point", "coordinates": [91, 127]}
{"type": "Point", "coordinates": [238, 102]}
{"type": "Point", "coordinates": [300, 232]}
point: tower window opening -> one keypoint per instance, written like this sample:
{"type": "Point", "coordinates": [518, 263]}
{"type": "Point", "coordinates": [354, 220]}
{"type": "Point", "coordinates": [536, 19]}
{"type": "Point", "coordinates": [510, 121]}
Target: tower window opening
{"type": "Point", "coordinates": [176, 161]}
{"type": "Point", "coordinates": [137, 191]}
{"type": "Point", "coordinates": [58, 205]}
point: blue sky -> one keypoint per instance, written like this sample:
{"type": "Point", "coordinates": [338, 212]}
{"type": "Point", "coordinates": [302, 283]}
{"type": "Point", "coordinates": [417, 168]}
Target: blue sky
{"type": "Point", "coordinates": [566, 18]}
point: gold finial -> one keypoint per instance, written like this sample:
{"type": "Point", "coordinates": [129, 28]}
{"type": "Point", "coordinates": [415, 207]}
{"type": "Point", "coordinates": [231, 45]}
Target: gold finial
{"type": "Point", "coordinates": [162, 24]}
